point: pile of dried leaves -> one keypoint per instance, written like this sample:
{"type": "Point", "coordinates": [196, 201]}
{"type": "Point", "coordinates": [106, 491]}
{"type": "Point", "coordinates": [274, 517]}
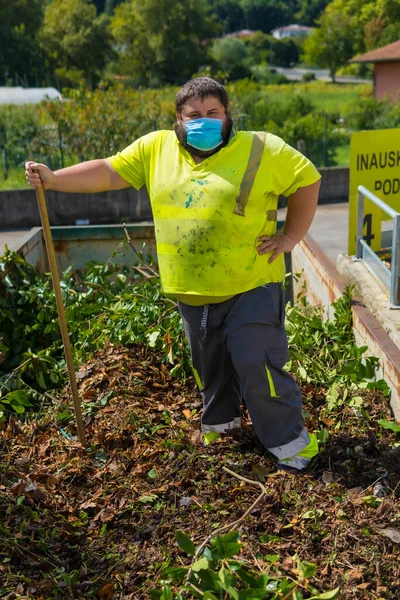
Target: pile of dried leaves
{"type": "Point", "coordinates": [100, 523]}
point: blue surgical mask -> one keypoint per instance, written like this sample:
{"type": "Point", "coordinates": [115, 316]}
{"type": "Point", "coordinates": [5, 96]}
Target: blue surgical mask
{"type": "Point", "coordinates": [204, 134]}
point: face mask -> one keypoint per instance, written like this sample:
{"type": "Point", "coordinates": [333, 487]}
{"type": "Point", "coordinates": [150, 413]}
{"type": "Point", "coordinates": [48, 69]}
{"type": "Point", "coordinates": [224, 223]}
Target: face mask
{"type": "Point", "coordinates": [204, 134]}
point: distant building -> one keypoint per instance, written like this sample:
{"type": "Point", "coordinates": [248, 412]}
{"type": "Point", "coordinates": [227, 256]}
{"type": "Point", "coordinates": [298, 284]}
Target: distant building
{"type": "Point", "coordinates": [243, 34]}
{"type": "Point", "coordinates": [386, 70]}
{"type": "Point", "coordinates": [291, 31]}
{"type": "Point", "coordinates": [20, 95]}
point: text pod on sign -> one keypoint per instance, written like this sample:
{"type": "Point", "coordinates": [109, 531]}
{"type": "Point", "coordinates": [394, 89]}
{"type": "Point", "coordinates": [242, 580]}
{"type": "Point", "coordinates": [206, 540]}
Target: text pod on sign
{"type": "Point", "coordinates": [387, 186]}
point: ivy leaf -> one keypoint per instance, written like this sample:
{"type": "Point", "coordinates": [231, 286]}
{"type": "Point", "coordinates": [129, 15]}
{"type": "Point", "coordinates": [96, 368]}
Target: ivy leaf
{"type": "Point", "coordinates": [313, 514]}
{"type": "Point", "coordinates": [151, 498]}
{"type": "Point", "coordinates": [176, 574]}
{"type": "Point", "coordinates": [302, 372]}
{"type": "Point", "coordinates": [389, 425]}
{"type": "Point", "coordinates": [200, 565]}
{"type": "Point", "coordinates": [272, 557]}
{"type": "Point", "coordinates": [19, 397]}
{"type": "Point", "coordinates": [153, 337]}
{"type": "Point", "coordinates": [185, 543]}
{"type": "Point", "coordinates": [227, 545]}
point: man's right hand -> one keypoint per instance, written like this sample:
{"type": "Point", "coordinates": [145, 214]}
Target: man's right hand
{"type": "Point", "coordinates": [43, 175]}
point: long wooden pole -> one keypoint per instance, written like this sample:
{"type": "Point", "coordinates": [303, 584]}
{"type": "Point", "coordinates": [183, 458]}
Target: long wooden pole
{"type": "Point", "coordinates": [61, 311]}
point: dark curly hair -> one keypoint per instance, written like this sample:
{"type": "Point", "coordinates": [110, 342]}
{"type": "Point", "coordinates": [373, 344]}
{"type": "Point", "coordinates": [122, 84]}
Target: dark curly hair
{"type": "Point", "coordinates": [201, 87]}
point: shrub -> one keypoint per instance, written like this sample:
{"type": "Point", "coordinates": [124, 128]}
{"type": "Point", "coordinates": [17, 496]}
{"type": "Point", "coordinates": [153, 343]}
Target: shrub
{"type": "Point", "coordinates": [308, 76]}
{"type": "Point", "coordinates": [98, 123]}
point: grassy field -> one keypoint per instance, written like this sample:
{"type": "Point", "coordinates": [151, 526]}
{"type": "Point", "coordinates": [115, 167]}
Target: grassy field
{"type": "Point", "coordinates": [330, 97]}
{"type": "Point", "coordinates": [343, 155]}
{"type": "Point", "coordinates": [15, 179]}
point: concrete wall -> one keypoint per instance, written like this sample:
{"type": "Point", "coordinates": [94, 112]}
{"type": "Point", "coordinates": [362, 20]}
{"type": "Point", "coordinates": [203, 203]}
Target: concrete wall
{"type": "Point", "coordinates": [18, 208]}
{"type": "Point", "coordinates": [334, 185]}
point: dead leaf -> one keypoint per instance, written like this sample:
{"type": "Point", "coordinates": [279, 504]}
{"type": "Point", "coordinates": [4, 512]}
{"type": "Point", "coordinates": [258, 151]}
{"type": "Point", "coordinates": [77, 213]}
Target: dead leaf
{"type": "Point", "coordinates": [114, 467]}
{"type": "Point", "coordinates": [260, 471]}
{"type": "Point", "coordinates": [22, 462]}
{"type": "Point", "coordinates": [327, 477]}
{"type": "Point", "coordinates": [355, 490]}
{"type": "Point", "coordinates": [325, 570]}
{"type": "Point", "coordinates": [287, 562]}
{"type": "Point", "coordinates": [363, 586]}
{"type": "Point", "coordinates": [187, 413]}
{"type": "Point", "coordinates": [17, 488]}
{"type": "Point", "coordinates": [355, 574]}
{"type": "Point", "coordinates": [392, 534]}
{"type": "Point", "coordinates": [196, 438]}
{"type": "Point", "coordinates": [88, 504]}
{"type": "Point", "coordinates": [30, 486]}
{"type": "Point", "coordinates": [327, 421]}
{"type": "Point", "coordinates": [107, 592]}
{"type": "Point", "coordinates": [104, 515]}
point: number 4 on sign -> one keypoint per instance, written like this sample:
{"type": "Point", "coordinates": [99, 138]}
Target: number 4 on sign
{"type": "Point", "coordinates": [367, 222]}
{"type": "Point", "coordinates": [372, 229]}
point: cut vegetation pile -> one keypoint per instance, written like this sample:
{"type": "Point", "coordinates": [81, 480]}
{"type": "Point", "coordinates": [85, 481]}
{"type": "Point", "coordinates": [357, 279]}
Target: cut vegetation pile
{"type": "Point", "coordinates": [146, 511]}
{"type": "Point", "coordinates": [102, 522]}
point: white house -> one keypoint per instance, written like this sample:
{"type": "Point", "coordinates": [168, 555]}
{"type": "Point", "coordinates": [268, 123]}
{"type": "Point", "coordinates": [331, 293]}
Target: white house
{"type": "Point", "coordinates": [291, 31]}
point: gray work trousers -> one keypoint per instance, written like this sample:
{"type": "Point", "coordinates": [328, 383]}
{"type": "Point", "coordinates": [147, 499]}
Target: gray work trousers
{"type": "Point", "coordinates": [238, 349]}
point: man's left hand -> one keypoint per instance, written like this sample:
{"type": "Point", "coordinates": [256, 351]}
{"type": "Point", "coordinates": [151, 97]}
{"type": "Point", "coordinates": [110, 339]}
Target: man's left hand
{"type": "Point", "coordinates": [278, 243]}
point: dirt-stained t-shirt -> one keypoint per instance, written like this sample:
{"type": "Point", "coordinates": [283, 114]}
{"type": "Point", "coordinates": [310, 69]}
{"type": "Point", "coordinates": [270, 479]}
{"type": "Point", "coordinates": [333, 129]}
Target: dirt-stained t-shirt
{"type": "Point", "coordinates": [204, 248]}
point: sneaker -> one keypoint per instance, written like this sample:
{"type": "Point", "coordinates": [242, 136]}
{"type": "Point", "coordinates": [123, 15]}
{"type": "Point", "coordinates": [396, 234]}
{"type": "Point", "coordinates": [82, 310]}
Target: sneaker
{"type": "Point", "coordinates": [298, 463]}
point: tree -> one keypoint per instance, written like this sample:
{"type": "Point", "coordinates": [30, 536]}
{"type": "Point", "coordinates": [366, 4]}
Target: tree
{"type": "Point", "coordinates": [76, 40]}
{"type": "Point", "coordinates": [229, 14]}
{"type": "Point", "coordinates": [161, 41]}
{"type": "Point", "coordinates": [266, 15]}
{"type": "Point", "coordinates": [310, 10]}
{"type": "Point", "coordinates": [231, 55]}
{"type": "Point", "coordinates": [19, 23]}
{"type": "Point", "coordinates": [350, 27]}
{"type": "Point", "coordinates": [264, 48]}
{"type": "Point", "coordinates": [332, 44]}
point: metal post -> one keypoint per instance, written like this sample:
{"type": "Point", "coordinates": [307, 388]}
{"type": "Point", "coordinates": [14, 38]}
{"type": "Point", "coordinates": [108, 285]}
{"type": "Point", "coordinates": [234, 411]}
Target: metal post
{"type": "Point", "coordinates": [60, 145]}
{"type": "Point", "coordinates": [5, 163]}
{"type": "Point", "coordinates": [395, 266]}
{"type": "Point", "coordinates": [360, 223]}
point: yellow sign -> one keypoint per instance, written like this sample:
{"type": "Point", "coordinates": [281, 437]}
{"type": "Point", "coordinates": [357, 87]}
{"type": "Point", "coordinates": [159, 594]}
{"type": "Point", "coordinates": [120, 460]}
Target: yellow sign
{"type": "Point", "coordinates": [375, 164]}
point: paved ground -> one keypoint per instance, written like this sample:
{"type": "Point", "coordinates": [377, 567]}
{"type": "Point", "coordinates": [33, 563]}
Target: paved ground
{"type": "Point", "coordinates": [295, 74]}
{"type": "Point", "coordinates": [329, 228]}
{"type": "Point", "coordinates": [11, 238]}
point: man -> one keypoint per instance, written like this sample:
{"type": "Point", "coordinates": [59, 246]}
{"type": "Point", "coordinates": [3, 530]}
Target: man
{"type": "Point", "coordinates": [214, 197]}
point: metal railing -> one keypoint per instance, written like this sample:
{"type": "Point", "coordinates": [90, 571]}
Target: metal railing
{"type": "Point", "coordinates": [390, 277]}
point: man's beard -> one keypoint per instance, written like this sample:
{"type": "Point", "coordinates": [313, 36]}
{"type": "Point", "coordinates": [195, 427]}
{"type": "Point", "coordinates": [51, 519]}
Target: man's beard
{"type": "Point", "coordinates": [226, 133]}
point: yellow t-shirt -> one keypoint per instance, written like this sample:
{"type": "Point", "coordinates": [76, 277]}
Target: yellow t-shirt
{"type": "Point", "coordinates": [205, 249]}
